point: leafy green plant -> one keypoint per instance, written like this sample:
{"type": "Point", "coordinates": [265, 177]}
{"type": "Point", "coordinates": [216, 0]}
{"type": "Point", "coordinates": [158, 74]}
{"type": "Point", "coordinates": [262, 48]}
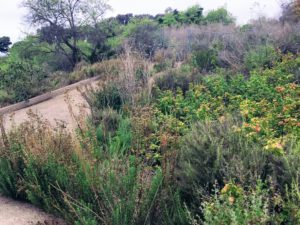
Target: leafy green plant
{"type": "Point", "coordinates": [291, 213]}
{"type": "Point", "coordinates": [22, 80]}
{"type": "Point", "coordinates": [262, 56]}
{"type": "Point", "coordinates": [8, 179]}
{"type": "Point", "coordinates": [172, 80]}
{"type": "Point", "coordinates": [214, 152]}
{"type": "Point", "coordinates": [204, 60]}
{"type": "Point", "coordinates": [220, 15]}
{"type": "Point", "coordinates": [109, 96]}
{"type": "Point", "coordinates": [236, 206]}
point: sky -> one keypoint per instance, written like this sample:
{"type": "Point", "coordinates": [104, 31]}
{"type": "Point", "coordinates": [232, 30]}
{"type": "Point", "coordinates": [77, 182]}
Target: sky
{"type": "Point", "coordinates": [12, 21]}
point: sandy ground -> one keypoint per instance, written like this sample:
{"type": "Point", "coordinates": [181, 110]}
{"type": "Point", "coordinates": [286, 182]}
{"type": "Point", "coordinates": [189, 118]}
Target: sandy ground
{"type": "Point", "coordinates": [55, 109]}
{"type": "Point", "coordinates": [16, 213]}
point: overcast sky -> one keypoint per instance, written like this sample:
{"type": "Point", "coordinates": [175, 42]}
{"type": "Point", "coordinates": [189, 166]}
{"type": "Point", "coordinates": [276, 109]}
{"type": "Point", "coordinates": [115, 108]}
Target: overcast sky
{"type": "Point", "coordinates": [12, 16]}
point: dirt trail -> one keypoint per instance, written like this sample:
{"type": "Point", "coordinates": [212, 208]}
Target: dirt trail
{"type": "Point", "coordinates": [16, 213]}
{"type": "Point", "coordinates": [54, 109]}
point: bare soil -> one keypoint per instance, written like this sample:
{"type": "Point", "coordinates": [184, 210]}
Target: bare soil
{"type": "Point", "coordinates": [17, 213]}
{"type": "Point", "coordinates": [54, 110]}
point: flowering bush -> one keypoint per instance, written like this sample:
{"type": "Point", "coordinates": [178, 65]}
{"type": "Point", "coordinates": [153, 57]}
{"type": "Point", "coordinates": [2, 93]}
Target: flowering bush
{"type": "Point", "coordinates": [237, 206]}
{"type": "Point", "coordinates": [269, 103]}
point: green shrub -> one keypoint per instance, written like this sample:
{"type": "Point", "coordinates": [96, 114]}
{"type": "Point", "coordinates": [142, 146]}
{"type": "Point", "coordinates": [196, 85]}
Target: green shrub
{"type": "Point", "coordinates": [5, 97]}
{"type": "Point", "coordinates": [237, 206]}
{"type": "Point", "coordinates": [173, 80]}
{"type": "Point", "coordinates": [109, 96]}
{"type": "Point", "coordinates": [82, 187]}
{"type": "Point", "coordinates": [147, 39]}
{"type": "Point", "coordinates": [220, 15]}
{"type": "Point", "coordinates": [11, 168]}
{"type": "Point", "coordinates": [114, 133]}
{"type": "Point", "coordinates": [291, 206]}
{"type": "Point", "coordinates": [204, 60]}
{"type": "Point", "coordinates": [262, 57]}
{"type": "Point", "coordinates": [42, 184]}
{"type": "Point", "coordinates": [216, 152]}
{"type": "Point", "coordinates": [23, 80]}
{"type": "Point", "coordinates": [160, 67]}
{"type": "Point", "coordinates": [120, 143]}
{"type": "Point", "coordinates": [8, 179]}
{"type": "Point", "coordinates": [109, 120]}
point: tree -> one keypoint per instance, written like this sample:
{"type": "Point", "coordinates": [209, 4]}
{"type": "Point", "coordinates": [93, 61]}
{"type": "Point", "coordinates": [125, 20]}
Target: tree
{"type": "Point", "coordinates": [220, 15]}
{"type": "Point", "coordinates": [62, 19]}
{"type": "Point", "coordinates": [124, 19]}
{"type": "Point", "coordinates": [291, 11]}
{"type": "Point", "coordinates": [194, 14]}
{"type": "Point", "coordinates": [4, 44]}
{"type": "Point", "coordinates": [22, 80]}
{"type": "Point", "coordinates": [147, 38]}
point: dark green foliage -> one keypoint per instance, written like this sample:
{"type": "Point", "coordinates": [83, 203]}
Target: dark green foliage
{"type": "Point", "coordinates": [109, 96]}
{"type": "Point", "coordinates": [193, 15]}
{"type": "Point", "coordinates": [169, 142]}
{"type": "Point", "coordinates": [213, 152]}
{"type": "Point", "coordinates": [261, 57]}
{"type": "Point", "coordinates": [173, 80]}
{"type": "Point", "coordinates": [109, 120]}
{"type": "Point", "coordinates": [42, 183]}
{"type": "Point", "coordinates": [11, 168]}
{"type": "Point", "coordinates": [22, 80]}
{"type": "Point", "coordinates": [220, 15]}
{"type": "Point", "coordinates": [4, 44]}
{"type": "Point", "coordinates": [147, 39]}
{"type": "Point", "coordinates": [62, 22]}
{"type": "Point", "coordinates": [291, 213]}
{"type": "Point", "coordinates": [204, 60]}
{"type": "Point", "coordinates": [8, 176]}
{"type": "Point", "coordinates": [120, 144]}
{"type": "Point", "coordinates": [112, 187]}
{"type": "Point", "coordinates": [237, 206]}
{"type": "Point", "coordinates": [114, 133]}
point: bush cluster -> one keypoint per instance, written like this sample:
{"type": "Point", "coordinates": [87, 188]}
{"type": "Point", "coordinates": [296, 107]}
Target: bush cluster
{"type": "Point", "coordinates": [196, 121]}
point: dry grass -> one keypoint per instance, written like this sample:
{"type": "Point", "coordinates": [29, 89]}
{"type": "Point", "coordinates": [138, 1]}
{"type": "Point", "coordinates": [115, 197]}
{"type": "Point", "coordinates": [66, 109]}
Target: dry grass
{"type": "Point", "coordinates": [40, 139]}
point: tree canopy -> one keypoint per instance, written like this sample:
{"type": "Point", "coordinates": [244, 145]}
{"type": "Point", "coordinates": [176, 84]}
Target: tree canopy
{"type": "Point", "coordinates": [4, 44]}
{"type": "Point", "coordinates": [61, 21]}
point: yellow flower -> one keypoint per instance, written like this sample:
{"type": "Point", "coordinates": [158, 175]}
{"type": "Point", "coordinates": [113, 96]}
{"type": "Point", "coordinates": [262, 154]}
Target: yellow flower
{"type": "Point", "coordinates": [225, 189]}
{"type": "Point", "coordinates": [278, 146]}
{"type": "Point", "coordinates": [275, 146]}
{"type": "Point", "coordinates": [222, 119]}
{"type": "Point", "coordinates": [280, 89]}
{"type": "Point", "coordinates": [293, 86]}
{"type": "Point", "coordinates": [257, 129]}
{"type": "Point", "coordinates": [231, 200]}
{"type": "Point", "coordinates": [236, 128]}
{"type": "Point", "coordinates": [246, 125]}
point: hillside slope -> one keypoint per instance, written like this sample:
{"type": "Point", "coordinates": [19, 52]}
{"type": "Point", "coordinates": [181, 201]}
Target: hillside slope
{"type": "Point", "coordinates": [54, 109]}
